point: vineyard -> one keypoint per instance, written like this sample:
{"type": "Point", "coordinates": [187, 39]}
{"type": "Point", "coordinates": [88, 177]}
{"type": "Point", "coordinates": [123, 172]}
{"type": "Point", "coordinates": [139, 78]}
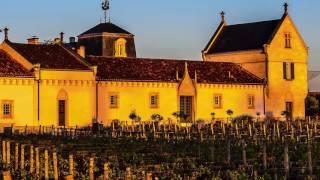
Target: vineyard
{"type": "Point", "coordinates": [238, 150]}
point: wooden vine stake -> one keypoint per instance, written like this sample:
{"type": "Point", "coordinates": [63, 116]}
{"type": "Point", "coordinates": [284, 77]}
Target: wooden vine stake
{"type": "Point", "coordinates": [286, 158]}
{"type": "Point", "coordinates": [31, 160]}
{"type": "Point", "coordinates": [8, 152]}
{"type": "Point", "coordinates": [7, 175]}
{"type": "Point", "coordinates": [106, 171]}
{"type": "Point", "coordinates": [4, 154]}
{"type": "Point", "coordinates": [55, 165]}
{"type": "Point", "coordinates": [46, 164]}
{"type": "Point", "coordinates": [228, 152]}
{"type": "Point", "coordinates": [309, 158]}
{"type": "Point", "coordinates": [22, 157]}
{"type": "Point", "coordinates": [71, 165]}
{"type": "Point", "coordinates": [149, 176]}
{"type": "Point", "coordinates": [37, 162]}
{"type": "Point", "coordinates": [128, 174]}
{"type": "Point", "coordinates": [16, 157]}
{"type": "Point", "coordinates": [91, 169]}
{"type": "Point", "coordinates": [244, 153]}
{"type": "Point", "coordinates": [265, 165]}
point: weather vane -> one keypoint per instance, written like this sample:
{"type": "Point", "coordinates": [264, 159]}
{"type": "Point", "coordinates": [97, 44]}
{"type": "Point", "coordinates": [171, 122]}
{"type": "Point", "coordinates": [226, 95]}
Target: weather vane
{"type": "Point", "coordinates": [106, 8]}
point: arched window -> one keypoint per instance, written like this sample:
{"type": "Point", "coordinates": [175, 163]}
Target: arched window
{"type": "Point", "coordinates": [120, 48]}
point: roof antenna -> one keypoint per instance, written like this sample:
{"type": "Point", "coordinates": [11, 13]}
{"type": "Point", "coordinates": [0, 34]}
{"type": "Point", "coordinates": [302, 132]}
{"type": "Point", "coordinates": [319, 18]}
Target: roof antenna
{"type": "Point", "coordinates": [106, 7]}
{"type": "Point", "coordinates": [286, 5]}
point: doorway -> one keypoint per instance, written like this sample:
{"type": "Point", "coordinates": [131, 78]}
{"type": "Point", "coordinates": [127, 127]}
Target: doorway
{"type": "Point", "coordinates": [186, 108]}
{"type": "Point", "coordinates": [62, 113]}
{"type": "Point", "coordinates": [289, 110]}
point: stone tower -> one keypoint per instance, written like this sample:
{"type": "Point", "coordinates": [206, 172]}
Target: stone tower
{"type": "Point", "coordinates": [108, 40]}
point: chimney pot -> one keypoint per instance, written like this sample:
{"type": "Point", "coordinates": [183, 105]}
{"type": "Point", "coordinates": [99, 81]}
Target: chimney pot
{"type": "Point", "coordinates": [33, 40]}
{"type": "Point", "coordinates": [61, 37]}
{"type": "Point", "coordinates": [72, 39]}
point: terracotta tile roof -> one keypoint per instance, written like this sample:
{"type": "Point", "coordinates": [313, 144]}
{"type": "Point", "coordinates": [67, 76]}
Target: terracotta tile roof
{"type": "Point", "coordinates": [106, 27]}
{"type": "Point", "coordinates": [137, 69]}
{"type": "Point", "coordinates": [51, 56]}
{"type": "Point", "coordinates": [10, 68]}
{"type": "Point", "coordinates": [244, 36]}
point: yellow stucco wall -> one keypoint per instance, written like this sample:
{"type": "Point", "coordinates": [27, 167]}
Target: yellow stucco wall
{"type": "Point", "coordinates": [281, 90]}
{"type": "Point", "coordinates": [234, 97]}
{"type": "Point", "coordinates": [20, 92]}
{"type": "Point", "coordinates": [251, 60]}
{"type": "Point", "coordinates": [79, 89]}
{"type": "Point", "coordinates": [135, 96]}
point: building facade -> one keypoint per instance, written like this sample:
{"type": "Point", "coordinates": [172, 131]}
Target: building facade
{"type": "Point", "coordinates": [99, 78]}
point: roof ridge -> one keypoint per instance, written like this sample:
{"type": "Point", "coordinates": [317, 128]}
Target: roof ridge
{"type": "Point", "coordinates": [255, 22]}
{"type": "Point", "coordinates": [158, 59]}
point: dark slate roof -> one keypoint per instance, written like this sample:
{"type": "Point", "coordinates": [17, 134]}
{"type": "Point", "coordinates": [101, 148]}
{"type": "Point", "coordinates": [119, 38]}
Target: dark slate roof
{"type": "Point", "coordinates": [107, 28]}
{"type": "Point", "coordinates": [51, 56]}
{"type": "Point", "coordinates": [10, 68]}
{"type": "Point", "coordinates": [138, 69]}
{"type": "Point", "coordinates": [244, 36]}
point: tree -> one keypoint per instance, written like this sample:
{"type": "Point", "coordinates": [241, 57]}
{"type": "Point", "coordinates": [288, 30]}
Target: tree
{"type": "Point", "coordinates": [312, 106]}
{"type": "Point", "coordinates": [156, 117]}
{"type": "Point", "coordinates": [230, 113]}
{"type": "Point", "coordinates": [213, 114]}
{"type": "Point", "coordinates": [133, 116]}
{"type": "Point", "coordinates": [180, 116]}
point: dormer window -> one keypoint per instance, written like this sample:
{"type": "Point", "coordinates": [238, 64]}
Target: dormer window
{"type": "Point", "coordinates": [287, 37]}
{"type": "Point", "coordinates": [120, 48]}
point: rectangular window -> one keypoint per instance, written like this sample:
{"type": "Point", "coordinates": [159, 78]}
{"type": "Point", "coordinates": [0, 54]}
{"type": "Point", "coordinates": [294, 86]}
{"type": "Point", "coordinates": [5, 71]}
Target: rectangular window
{"type": "Point", "coordinates": [7, 109]}
{"type": "Point", "coordinates": [288, 71]}
{"type": "Point", "coordinates": [114, 100]}
{"type": "Point", "coordinates": [287, 37]}
{"type": "Point", "coordinates": [217, 101]}
{"type": "Point", "coordinates": [154, 100]}
{"type": "Point", "coordinates": [251, 103]}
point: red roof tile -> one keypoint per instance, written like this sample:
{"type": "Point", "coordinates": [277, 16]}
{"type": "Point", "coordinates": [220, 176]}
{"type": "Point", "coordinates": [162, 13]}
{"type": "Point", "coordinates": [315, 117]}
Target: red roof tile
{"type": "Point", "coordinates": [51, 56]}
{"type": "Point", "coordinates": [10, 68]}
{"type": "Point", "coordinates": [137, 69]}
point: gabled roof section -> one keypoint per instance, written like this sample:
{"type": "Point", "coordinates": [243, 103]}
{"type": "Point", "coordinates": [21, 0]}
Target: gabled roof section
{"type": "Point", "coordinates": [106, 28]}
{"type": "Point", "coordinates": [10, 68]}
{"type": "Point", "coordinates": [160, 70]}
{"type": "Point", "coordinates": [241, 37]}
{"type": "Point", "coordinates": [50, 56]}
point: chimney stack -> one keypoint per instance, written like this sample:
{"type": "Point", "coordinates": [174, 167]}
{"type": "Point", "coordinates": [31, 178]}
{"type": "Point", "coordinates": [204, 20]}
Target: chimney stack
{"type": "Point", "coordinates": [72, 39]}
{"type": "Point", "coordinates": [61, 37]}
{"type": "Point", "coordinates": [33, 40]}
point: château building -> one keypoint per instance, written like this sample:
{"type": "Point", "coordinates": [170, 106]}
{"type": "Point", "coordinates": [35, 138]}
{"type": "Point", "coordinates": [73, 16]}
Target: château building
{"type": "Point", "coordinates": [253, 68]}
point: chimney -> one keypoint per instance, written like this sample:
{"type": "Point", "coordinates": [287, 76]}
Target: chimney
{"type": "Point", "coordinates": [61, 37]}
{"type": "Point", "coordinates": [33, 40]}
{"type": "Point", "coordinates": [82, 51]}
{"type": "Point", "coordinates": [72, 39]}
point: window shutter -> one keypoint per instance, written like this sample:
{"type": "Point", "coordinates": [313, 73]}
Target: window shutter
{"type": "Point", "coordinates": [284, 70]}
{"type": "Point", "coordinates": [292, 71]}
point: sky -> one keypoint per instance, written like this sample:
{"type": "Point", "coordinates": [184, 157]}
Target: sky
{"type": "Point", "coordinates": [177, 29]}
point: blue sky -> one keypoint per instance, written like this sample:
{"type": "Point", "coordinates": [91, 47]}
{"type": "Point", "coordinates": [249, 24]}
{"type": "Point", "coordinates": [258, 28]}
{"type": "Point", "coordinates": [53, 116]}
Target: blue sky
{"type": "Point", "coordinates": [162, 28]}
